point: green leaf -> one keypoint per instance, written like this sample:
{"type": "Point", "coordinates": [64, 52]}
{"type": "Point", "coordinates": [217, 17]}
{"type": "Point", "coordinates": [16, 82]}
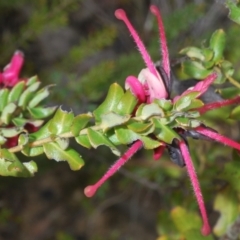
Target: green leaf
{"type": "Point", "coordinates": [150, 110]}
{"type": "Point", "coordinates": [97, 139]}
{"type": "Point", "coordinates": [125, 135]}
{"type": "Point", "coordinates": [84, 141]}
{"type": "Point", "coordinates": [39, 96]}
{"type": "Point", "coordinates": [19, 122]}
{"type": "Point", "coordinates": [127, 104]}
{"type": "Point", "coordinates": [8, 112]}
{"type": "Point", "coordinates": [43, 132]}
{"type": "Point", "coordinates": [150, 143]}
{"type": "Point", "coordinates": [11, 166]}
{"type": "Point", "coordinates": [10, 132]}
{"type": "Point", "coordinates": [111, 119]}
{"type": "Point", "coordinates": [217, 44]}
{"type": "Point", "coordinates": [185, 101]}
{"type": "Point", "coordinates": [28, 94]}
{"type": "Point", "coordinates": [227, 68]}
{"type": "Point", "coordinates": [208, 54]}
{"type": "Point", "coordinates": [31, 81]}
{"type": "Point", "coordinates": [195, 103]}
{"type": "Point", "coordinates": [235, 114]}
{"type": "Point", "coordinates": [115, 93]}
{"type": "Point", "coordinates": [41, 112]}
{"type": "Point", "coordinates": [229, 92]}
{"type": "Point", "coordinates": [54, 151]}
{"type": "Point", "coordinates": [226, 203]}
{"type": "Point", "coordinates": [234, 11]}
{"type": "Point", "coordinates": [61, 122]}
{"type": "Point", "coordinates": [193, 52]}
{"type": "Point", "coordinates": [16, 92]}
{"type": "Point", "coordinates": [80, 122]}
{"type": "Point", "coordinates": [32, 151]}
{"type": "Point", "coordinates": [195, 69]}
{"type": "Point", "coordinates": [164, 133]}
{"type": "Point", "coordinates": [4, 98]}
{"type": "Point", "coordinates": [140, 127]}
{"type": "Point", "coordinates": [165, 104]}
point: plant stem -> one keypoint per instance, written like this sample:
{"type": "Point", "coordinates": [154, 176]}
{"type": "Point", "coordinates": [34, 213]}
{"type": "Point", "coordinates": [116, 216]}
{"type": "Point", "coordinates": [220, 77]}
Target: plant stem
{"type": "Point", "coordinates": [233, 82]}
{"type": "Point", "coordinates": [42, 141]}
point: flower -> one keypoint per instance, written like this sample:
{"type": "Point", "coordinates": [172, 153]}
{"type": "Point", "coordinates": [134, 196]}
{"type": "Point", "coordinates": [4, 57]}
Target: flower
{"type": "Point", "coordinates": [152, 83]}
{"type": "Point", "coordinates": [10, 75]}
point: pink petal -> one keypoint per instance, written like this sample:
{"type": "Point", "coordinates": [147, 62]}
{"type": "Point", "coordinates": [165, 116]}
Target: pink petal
{"type": "Point", "coordinates": [201, 86]}
{"type": "Point", "coordinates": [12, 70]}
{"type": "Point", "coordinates": [136, 88]}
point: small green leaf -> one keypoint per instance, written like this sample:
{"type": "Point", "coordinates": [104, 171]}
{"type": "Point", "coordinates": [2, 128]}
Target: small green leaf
{"type": "Point", "coordinates": [97, 139]}
{"type": "Point", "coordinates": [23, 139]}
{"type": "Point", "coordinates": [139, 127]}
{"type": "Point", "coordinates": [227, 68]}
{"type": "Point", "coordinates": [10, 132]}
{"type": "Point", "coordinates": [61, 122]}
{"type": "Point", "coordinates": [84, 141]}
{"type": "Point", "coordinates": [80, 122]}
{"type": "Point", "coordinates": [111, 119]}
{"type": "Point", "coordinates": [208, 54]}
{"type": "Point", "coordinates": [126, 104]}
{"type": "Point", "coordinates": [63, 143]}
{"type": "Point", "coordinates": [195, 103]}
{"type": "Point", "coordinates": [217, 44]}
{"type": "Point", "coordinates": [164, 133]}
{"type": "Point", "coordinates": [8, 112]}
{"type": "Point", "coordinates": [54, 151]}
{"type": "Point", "coordinates": [150, 143]}
{"type": "Point", "coordinates": [11, 166]}
{"type": "Point", "coordinates": [193, 52]}
{"type": "Point", "coordinates": [125, 135]}
{"type": "Point", "coordinates": [41, 112]}
{"type": "Point", "coordinates": [150, 110]}
{"type": "Point", "coordinates": [165, 104]}
{"type": "Point", "coordinates": [16, 92]}
{"type": "Point", "coordinates": [195, 69]}
{"type": "Point", "coordinates": [115, 93]}
{"type": "Point", "coordinates": [32, 151]}
{"type": "Point", "coordinates": [28, 94]}
{"type": "Point", "coordinates": [39, 96]}
{"type": "Point", "coordinates": [235, 114]}
{"type": "Point", "coordinates": [19, 122]}
{"type": "Point", "coordinates": [4, 98]}
{"type": "Point", "coordinates": [31, 81]}
{"type": "Point", "coordinates": [226, 203]}
{"type": "Point", "coordinates": [229, 92]}
{"type": "Point", "coordinates": [234, 11]}
{"type": "Point", "coordinates": [185, 101]}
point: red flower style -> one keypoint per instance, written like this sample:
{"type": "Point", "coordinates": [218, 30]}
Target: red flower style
{"type": "Point", "coordinates": [152, 83]}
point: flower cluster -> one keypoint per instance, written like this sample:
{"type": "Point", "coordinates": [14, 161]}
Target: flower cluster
{"type": "Point", "coordinates": [154, 83]}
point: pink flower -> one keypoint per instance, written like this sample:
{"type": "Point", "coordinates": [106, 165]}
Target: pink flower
{"type": "Point", "coordinates": [10, 75]}
{"type": "Point", "coordinates": [154, 84]}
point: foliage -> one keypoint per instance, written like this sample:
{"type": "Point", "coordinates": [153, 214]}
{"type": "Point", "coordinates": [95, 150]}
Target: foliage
{"type": "Point", "coordinates": [29, 127]}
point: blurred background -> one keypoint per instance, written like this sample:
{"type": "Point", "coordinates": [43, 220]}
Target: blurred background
{"type": "Point", "coordinates": [81, 47]}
